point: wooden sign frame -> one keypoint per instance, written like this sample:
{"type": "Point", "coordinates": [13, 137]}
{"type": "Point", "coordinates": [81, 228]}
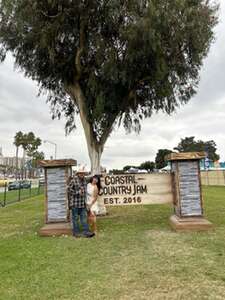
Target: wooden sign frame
{"type": "Point", "coordinates": [57, 226]}
{"type": "Point", "coordinates": [188, 206]}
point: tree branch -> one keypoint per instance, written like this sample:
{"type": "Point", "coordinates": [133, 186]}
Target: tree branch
{"type": "Point", "coordinates": [107, 131]}
{"type": "Point", "coordinates": [78, 97]}
{"type": "Point", "coordinates": [80, 51]}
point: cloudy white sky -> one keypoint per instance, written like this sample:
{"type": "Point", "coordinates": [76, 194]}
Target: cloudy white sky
{"type": "Point", "coordinates": [203, 117]}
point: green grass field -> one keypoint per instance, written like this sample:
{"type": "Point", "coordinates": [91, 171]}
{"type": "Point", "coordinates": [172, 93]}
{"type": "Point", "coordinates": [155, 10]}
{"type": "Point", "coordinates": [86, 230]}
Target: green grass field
{"type": "Point", "coordinates": [135, 256]}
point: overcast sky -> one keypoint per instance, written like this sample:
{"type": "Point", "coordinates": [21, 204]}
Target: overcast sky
{"type": "Point", "coordinates": [203, 117]}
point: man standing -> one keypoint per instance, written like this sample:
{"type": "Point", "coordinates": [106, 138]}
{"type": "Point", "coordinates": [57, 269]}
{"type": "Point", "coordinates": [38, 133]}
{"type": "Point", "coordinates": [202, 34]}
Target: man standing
{"type": "Point", "coordinates": [77, 191]}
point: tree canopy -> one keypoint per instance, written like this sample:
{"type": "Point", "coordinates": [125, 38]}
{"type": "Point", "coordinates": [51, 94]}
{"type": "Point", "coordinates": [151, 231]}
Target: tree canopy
{"type": "Point", "coordinates": [148, 166]}
{"type": "Point", "coordinates": [30, 143]}
{"type": "Point", "coordinates": [109, 61]}
{"type": "Point", "coordinates": [188, 144]}
{"type": "Point", "coordinates": [160, 158]}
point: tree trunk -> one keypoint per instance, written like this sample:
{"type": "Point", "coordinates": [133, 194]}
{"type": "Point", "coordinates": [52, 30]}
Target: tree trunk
{"type": "Point", "coordinates": [24, 169]}
{"type": "Point", "coordinates": [95, 154]}
{"type": "Point", "coordinates": [95, 148]}
{"type": "Point", "coordinates": [17, 151]}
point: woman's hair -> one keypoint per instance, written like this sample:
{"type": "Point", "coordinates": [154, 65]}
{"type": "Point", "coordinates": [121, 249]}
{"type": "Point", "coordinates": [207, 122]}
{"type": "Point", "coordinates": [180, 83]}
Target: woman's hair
{"type": "Point", "coordinates": [98, 182]}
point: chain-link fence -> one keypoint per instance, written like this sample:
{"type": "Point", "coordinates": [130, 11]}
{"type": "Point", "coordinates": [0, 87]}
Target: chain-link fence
{"type": "Point", "coordinates": [19, 190]}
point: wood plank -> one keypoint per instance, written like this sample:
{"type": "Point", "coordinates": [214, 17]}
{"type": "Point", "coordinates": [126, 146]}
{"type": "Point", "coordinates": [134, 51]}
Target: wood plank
{"type": "Point", "coordinates": [175, 171]}
{"type": "Point", "coordinates": [190, 224]}
{"type": "Point", "coordinates": [185, 156]}
{"type": "Point", "coordinates": [56, 229]}
{"type": "Point", "coordinates": [57, 163]}
{"type": "Point", "coordinates": [200, 188]}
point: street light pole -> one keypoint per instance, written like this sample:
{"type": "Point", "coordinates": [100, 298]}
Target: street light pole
{"type": "Point", "coordinates": [50, 142]}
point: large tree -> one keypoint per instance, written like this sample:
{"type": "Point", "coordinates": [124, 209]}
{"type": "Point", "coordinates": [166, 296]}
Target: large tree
{"type": "Point", "coordinates": [32, 144]}
{"type": "Point", "coordinates": [148, 166]}
{"type": "Point", "coordinates": [189, 144]}
{"type": "Point", "coordinates": [160, 161]}
{"type": "Point", "coordinates": [111, 62]}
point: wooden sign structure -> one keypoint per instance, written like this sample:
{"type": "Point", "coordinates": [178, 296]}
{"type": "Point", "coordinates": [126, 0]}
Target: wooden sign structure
{"type": "Point", "coordinates": [57, 218]}
{"type": "Point", "coordinates": [181, 187]}
{"type": "Point", "coordinates": [188, 201]}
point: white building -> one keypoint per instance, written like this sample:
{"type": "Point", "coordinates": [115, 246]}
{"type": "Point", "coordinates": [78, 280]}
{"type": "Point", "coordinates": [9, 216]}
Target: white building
{"type": "Point", "coordinates": [9, 161]}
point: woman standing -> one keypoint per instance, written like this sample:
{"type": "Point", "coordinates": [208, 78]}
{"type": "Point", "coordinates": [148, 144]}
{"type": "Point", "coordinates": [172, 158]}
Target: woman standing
{"type": "Point", "coordinates": [93, 189]}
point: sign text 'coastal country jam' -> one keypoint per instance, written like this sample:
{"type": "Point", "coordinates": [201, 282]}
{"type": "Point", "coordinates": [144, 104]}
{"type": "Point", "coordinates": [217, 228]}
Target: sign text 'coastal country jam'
{"type": "Point", "coordinates": [136, 189]}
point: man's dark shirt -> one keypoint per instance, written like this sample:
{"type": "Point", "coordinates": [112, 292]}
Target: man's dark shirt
{"type": "Point", "coordinates": [76, 200]}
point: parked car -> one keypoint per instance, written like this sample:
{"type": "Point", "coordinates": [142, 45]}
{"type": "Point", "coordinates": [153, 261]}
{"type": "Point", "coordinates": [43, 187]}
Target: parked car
{"type": "Point", "coordinates": [16, 185]}
{"type": "Point", "coordinates": [25, 184]}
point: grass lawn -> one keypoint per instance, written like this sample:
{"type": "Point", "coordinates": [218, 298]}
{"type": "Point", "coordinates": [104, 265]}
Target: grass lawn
{"type": "Point", "coordinates": [136, 256]}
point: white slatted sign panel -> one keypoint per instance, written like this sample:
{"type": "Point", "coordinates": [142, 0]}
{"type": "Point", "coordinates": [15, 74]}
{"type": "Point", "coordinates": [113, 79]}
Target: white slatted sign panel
{"type": "Point", "coordinates": [190, 194]}
{"type": "Point", "coordinates": [56, 194]}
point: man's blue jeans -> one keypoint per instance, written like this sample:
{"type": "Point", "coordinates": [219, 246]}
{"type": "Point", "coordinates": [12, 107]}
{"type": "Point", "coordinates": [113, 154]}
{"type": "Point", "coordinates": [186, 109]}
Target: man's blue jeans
{"type": "Point", "coordinates": [79, 213]}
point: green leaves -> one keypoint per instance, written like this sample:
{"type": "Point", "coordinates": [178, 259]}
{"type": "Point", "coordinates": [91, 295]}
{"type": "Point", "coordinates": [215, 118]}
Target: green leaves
{"type": "Point", "coordinates": [133, 57]}
{"type": "Point", "coordinates": [160, 158]}
{"type": "Point", "coordinates": [28, 141]}
{"type": "Point", "coordinates": [188, 144]}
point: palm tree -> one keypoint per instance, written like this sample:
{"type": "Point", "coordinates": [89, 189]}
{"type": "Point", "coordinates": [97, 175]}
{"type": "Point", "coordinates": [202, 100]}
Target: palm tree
{"type": "Point", "coordinates": [24, 144]}
{"type": "Point", "coordinates": [17, 142]}
{"type": "Point", "coordinates": [33, 143]}
{"type": "Point", "coordinates": [29, 143]}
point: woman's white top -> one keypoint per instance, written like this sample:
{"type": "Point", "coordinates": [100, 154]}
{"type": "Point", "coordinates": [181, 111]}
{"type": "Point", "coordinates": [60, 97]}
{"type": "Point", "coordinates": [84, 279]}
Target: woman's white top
{"type": "Point", "coordinates": [91, 194]}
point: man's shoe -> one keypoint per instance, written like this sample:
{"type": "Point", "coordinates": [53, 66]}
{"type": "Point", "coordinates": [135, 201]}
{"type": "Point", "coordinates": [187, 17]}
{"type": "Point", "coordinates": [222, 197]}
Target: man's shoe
{"type": "Point", "coordinates": [89, 234]}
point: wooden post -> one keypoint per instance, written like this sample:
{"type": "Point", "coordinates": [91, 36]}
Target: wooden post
{"type": "Point", "coordinates": [57, 220]}
{"type": "Point", "coordinates": [5, 190]}
{"type": "Point", "coordinates": [189, 203]}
